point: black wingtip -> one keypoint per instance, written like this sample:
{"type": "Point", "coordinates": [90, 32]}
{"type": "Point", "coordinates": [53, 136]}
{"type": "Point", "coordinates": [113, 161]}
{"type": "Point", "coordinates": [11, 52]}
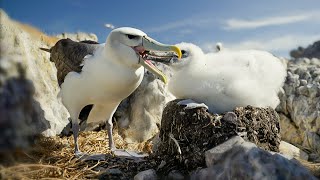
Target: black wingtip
{"type": "Point", "coordinates": [46, 49]}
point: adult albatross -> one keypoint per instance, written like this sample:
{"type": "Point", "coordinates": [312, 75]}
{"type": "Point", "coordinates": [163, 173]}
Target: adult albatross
{"type": "Point", "coordinates": [227, 79]}
{"type": "Point", "coordinates": [104, 74]}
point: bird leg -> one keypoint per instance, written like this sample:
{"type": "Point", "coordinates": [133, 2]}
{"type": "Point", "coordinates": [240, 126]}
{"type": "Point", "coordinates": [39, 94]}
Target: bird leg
{"type": "Point", "coordinates": [120, 152]}
{"type": "Point", "coordinates": [77, 152]}
{"type": "Point", "coordinates": [191, 104]}
{"type": "Point", "coordinates": [111, 142]}
{"type": "Point", "coordinates": [75, 130]}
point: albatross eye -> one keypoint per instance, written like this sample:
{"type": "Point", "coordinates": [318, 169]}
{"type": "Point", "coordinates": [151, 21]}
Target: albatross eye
{"type": "Point", "coordinates": [184, 53]}
{"type": "Point", "coordinates": [130, 36]}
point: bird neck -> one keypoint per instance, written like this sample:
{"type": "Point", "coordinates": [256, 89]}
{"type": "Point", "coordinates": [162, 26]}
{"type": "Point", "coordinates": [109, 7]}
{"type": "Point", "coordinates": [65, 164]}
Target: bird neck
{"type": "Point", "coordinates": [118, 58]}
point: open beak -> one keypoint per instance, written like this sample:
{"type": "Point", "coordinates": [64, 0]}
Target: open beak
{"type": "Point", "coordinates": [151, 50]}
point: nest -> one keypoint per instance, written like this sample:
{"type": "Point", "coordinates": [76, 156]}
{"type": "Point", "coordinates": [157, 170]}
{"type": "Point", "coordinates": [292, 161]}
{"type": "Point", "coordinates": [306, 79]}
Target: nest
{"type": "Point", "coordinates": [186, 134]}
{"type": "Point", "coordinates": [260, 126]}
{"type": "Point", "coordinates": [195, 131]}
{"type": "Point", "coordinates": [54, 158]}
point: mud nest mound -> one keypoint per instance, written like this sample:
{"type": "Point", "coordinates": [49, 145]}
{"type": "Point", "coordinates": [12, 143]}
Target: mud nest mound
{"type": "Point", "coordinates": [186, 134]}
{"type": "Point", "coordinates": [260, 126]}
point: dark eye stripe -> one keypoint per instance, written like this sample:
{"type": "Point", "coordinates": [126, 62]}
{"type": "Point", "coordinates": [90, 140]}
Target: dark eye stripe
{"type": "Point", "coordinates": [130, 36]}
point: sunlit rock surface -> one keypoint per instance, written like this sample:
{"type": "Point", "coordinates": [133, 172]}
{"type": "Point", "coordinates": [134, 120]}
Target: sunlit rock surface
{"type": "Point", "coordinates": [300, 104]}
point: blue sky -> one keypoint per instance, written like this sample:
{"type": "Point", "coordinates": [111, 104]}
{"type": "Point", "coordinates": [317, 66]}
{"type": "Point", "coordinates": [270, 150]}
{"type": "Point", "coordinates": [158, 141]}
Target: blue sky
{"type": "Point", "coordinates": [274, 25]}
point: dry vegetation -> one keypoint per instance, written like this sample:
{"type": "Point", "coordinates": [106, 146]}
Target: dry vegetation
{"type": "Point", "coordinates": [53, 158]}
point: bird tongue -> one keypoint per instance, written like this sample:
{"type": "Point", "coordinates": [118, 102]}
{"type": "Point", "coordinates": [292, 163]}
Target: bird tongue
{"type": "Point", "coordinates": [143, 54]}
{"type": "Point", "coordinates": [149, 62]}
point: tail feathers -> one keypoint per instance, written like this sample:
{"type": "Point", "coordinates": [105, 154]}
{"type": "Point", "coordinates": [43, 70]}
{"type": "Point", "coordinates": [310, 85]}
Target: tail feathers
{"type": "Point", "coordinates": [46, 49]}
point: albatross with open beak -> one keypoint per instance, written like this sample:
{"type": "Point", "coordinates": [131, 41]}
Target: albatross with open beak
{"type": "Point", "coordinates": [105, 74]}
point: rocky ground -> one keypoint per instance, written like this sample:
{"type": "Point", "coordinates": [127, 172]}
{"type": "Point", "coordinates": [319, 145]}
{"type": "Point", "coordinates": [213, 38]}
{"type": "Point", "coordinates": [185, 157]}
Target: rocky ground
{"type": "Point", "coordinates": [246, 143]}
{"type": "Point", "coordinates": [300, 102]}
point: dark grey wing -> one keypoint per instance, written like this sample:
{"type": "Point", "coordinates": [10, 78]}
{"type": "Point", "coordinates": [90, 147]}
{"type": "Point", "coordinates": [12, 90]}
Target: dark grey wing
{"type": "Point", "coordinates": [89, 42]}
{"type": "Point", "coordinates": [68, 56]}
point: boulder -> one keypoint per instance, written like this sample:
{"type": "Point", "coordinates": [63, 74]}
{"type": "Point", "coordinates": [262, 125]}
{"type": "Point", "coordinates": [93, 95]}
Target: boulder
{"type": "Point", "coordinates": [149, 174]}
{"type": "Point", "coordinates": [289, 132]}
{"type": "Point", "coordinates": [20, 44]}
{"type": "Point", "coordinates": [20, 113]}
{"type": "Point", "coordinates": [214, 154]}
{"type": "Point", "coordinates": [246, 161]}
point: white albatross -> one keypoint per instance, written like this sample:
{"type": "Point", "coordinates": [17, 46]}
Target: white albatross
{"type": "Point", "coordinates": [108, 74]}
{"type": "Point", "coordinates": [227, 79]}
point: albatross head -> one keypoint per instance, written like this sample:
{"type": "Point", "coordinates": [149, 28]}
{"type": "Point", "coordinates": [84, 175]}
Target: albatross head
{"type": "Point", "coordinates": [191, 54]}
{"type": "Point", "coordinates": [134, 48]}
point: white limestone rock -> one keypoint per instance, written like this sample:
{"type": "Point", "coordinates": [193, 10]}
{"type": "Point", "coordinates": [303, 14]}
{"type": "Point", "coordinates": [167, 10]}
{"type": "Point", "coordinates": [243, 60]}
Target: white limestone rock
{"type": "Point", "coordinates": [293, 151]}
{"type": "Point", "coordinates": [19, 46]}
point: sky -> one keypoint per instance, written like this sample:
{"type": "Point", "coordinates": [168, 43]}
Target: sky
{"type": "Point", "coordinates": [277, 26]}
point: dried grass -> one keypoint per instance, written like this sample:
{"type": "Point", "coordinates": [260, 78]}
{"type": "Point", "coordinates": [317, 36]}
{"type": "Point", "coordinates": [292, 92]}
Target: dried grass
{"type": "Point", "coordinates": [53, 158]}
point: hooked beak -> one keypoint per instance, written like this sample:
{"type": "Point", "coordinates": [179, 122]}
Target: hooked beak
{"type": "Point", "coordinates": [150, 44]}
{"type": "Point", "coordinates": [148, 51]}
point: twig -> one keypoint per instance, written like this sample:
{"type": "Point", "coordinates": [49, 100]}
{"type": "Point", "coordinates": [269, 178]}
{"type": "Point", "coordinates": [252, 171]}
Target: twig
{"type": "Point", "coordinates": [176, 142]}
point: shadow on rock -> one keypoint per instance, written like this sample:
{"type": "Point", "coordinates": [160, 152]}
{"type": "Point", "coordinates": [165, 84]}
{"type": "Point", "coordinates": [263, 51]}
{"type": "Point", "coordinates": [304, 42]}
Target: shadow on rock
{"type": "Point", "coordinates": [21, 116]}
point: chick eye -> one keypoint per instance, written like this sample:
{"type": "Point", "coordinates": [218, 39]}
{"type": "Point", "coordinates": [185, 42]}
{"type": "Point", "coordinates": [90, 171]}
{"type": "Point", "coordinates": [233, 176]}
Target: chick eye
{"type": "Point", "coordinates": [184, 53]}
{"type": "Point", "coordinates": [130, 36]}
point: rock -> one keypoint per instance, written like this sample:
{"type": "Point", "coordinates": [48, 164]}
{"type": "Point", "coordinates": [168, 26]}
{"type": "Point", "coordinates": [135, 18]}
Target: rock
{"type": "Point", "coordinates": [300, 103]}
{"type": "Point", "coordinates": [80, 36]}
{"type": "Point", "coordinates": [175, 175]}
{"type": "Point", "coordinates": [312, 140]}
{"type": "Point", "coordinates": [215, 153]}
{"type": "Point", "coordinates": [113, 173]}
{"type": "Point", "coordinates": [146, 175]}
{"type": "Point", "coordinates": [289, 132]}
{"type": "Point", "coordinates": [312, 51]}
{"type": "Point", "coordinates": [186, 134]}
{"type": "Point", "coordinates": [246, 161]}
{"type": "Point", "coordinates": [296, 53]}
{"type": "Point", "coordinates": [140, 114]}
{"type": "Point", "coordinates": [293, 151]}
{"type": "Point", "coordinates": [19, 45]}
{"type": "Point", "coordinates": [20, 115]}
{"type": "Point", "coordinates": [314, 157]}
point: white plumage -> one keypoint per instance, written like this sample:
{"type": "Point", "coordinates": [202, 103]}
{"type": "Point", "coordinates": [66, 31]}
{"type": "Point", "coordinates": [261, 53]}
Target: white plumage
{"type": "Point", "coordinates": [227, 79]}
{"type": "Point", "coordinates": [111, 74]}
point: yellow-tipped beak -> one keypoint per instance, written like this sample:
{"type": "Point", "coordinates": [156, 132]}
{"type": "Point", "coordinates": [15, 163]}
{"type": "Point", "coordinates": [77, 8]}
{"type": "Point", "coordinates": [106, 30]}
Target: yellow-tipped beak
{"type": "Point", "coordinates": [152, 45]}
{"type": "Point", "coordinates": [177, 50]}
